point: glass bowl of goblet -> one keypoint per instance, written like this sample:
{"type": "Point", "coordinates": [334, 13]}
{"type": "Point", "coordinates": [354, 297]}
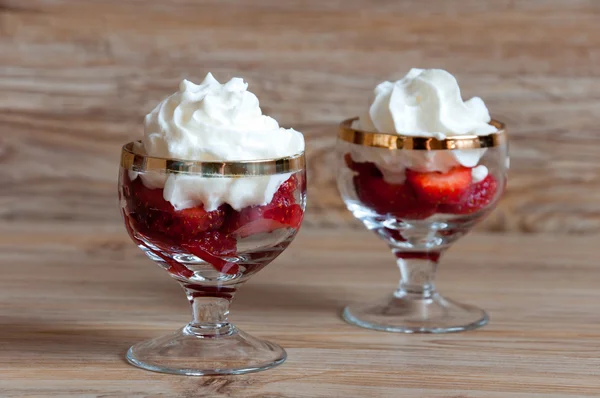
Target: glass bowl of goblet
{"type": "Point", "coordinates": [210, 250]}
{"type": "Point", "coordinates": [420, 195]}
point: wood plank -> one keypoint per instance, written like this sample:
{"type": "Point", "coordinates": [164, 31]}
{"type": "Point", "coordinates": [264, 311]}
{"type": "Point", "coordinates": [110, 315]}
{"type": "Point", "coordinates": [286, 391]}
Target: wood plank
{"type": "Point", "coordinates": [77, 77]}
{"type": "Point", "coordinates": [75, 299]}
{"type": "Point", "coordinates": [63, 175]}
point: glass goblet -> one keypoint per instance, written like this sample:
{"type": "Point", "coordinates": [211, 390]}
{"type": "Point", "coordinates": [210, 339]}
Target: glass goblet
{"type": "Point", "coordinates": [211, 252]}
{"type": "Point", "coordinates": [392, 184]}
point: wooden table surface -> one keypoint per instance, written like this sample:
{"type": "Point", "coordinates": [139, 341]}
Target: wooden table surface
{"type": "Point", "coordinates": [76, 78]}
{"type": "Point", "coordinates": [73, 299]}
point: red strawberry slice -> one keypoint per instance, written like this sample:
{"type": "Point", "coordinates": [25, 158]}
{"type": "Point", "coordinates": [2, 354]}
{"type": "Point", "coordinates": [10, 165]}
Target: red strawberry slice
{"type": "Point", "coordinates": [148, 208]}
{"type": "Point", "coordinates": [282, 212]}
{"type": "Point", "coordinates": [192, 229]}
{"type": "Point", "coordinates": [147, 198]}
{"type": "Point", "coordinates": [480, 197]}
{"type": "Point", "coordinates": [283, 208]}
{"type": "Point", "coordinates": [174, 267]}
{"type": "Point", "coordinates": [152, 214]}
{"type": "Point", "coordinates": [237, 220]}
{"type": "Point", "coordinates": [129, 228]}
{"type": "Point", "coordinates": [434, 187]}
{"type": "Point", "coordinates": [158, 215]}
{"type": "Point", "coordinates": [211, 246]}
{"type": "Point", "coordinates": [288, 216]}
{"type": "Point", "coordinates": [195, 220]}
{"type": "Point", "coordinates": [288, 187]}
{"type": "Point", "coordinates": [363, 168]}
{"type": "Point", "coordinates": [398, 200]}
{"type": "Point", "coordinates": [261, 219]}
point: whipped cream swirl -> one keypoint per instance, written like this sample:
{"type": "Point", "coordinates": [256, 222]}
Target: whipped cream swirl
{"type": "Point", "coordinates": [425, 103]}
{"type": "Point", "coordinates": [216, 122]}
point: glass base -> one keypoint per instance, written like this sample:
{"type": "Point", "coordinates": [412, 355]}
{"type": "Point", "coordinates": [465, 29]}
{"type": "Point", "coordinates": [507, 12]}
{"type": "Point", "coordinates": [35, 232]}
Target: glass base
{"type": "Point", "coordinates": [193, 354]}
{"type": "Point", "coordinates": [405, 313]}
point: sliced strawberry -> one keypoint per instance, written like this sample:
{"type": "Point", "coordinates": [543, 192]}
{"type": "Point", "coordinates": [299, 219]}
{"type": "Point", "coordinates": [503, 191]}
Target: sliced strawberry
{"type": "Point", "coordinates": [265, 219]}
{"type": "Point", "coordinates": [147, 207]}
{"type": "Point", "coordinates": [211, 246]}
{"type": "Point", "coordinates": [174, 267]}
{"type": "Point", "coordinates": [398, 200]}
{"type": "Point", "coordinates": [288, 187]}
{"type": "Point", "coordinates": [281, 212]}
{"type": "Point", "coordinates": [480, 197]}
{"type": "Point", "coordinates": [129, 228]}
{"type": "Point", "coordinates": [192, 229]}
{"type": "Point", "coordinates": [147, 198]}
{"type": "Point", "coordinates": [196, 220]}
{"type": "Point", "coordinates": [434, 187]}
{"type": "Point", "coordinates": [283, 208]}
{"type": "Point", "coordinates": [288, 216]}
{"type": "Point", "coordinates": [216, 243]}
{"type": "Point", "coordinates": [363, 168]}
{"type": "Point", "coordinates": [159, 216]}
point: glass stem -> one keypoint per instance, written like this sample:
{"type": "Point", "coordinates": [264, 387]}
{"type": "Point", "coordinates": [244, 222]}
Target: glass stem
{"type": "Point", "coordinates": [210, 310]}
{"type": "Point", "coordinates": [417, 273]}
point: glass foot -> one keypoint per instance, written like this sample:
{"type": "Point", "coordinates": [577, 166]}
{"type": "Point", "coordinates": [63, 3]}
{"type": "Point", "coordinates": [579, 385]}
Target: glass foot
{"type": "Point", "coordinates": [187, 353]}
{"type": "Point", "coordinates": [406, 314]}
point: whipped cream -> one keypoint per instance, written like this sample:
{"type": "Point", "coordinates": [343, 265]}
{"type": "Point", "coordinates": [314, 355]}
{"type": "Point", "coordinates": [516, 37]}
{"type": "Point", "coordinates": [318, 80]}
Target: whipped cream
{"type": "Point", "coordinates": [425, 103]}
{"type": "Point", "coordinates": [479, 173]}
{"type": "Point", "coordinates": [215, 122]}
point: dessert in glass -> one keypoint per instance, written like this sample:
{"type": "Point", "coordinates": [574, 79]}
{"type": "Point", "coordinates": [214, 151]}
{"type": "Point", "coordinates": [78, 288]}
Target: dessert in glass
{"type": "Point", "coordinates": [420, 168]}
{"type": "Point", "coordinates": [213, 193]}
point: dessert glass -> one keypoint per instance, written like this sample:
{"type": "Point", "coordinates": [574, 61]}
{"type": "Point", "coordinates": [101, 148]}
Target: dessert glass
{"type": "Point", "coordinates": [418, 232]}
{"type": "Point", "coordinates": [210, 254]}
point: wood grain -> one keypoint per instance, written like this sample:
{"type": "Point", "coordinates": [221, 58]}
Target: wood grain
{"type": "Point", "coordinates": [77, 77]}
{"type": "Point", "coordinates": [75, 299]}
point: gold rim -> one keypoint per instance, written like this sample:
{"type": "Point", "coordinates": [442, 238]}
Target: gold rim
{"type": "Point", "coordinates": [131, 160]}
{"type": "Point", "coordinates": [397, 141]}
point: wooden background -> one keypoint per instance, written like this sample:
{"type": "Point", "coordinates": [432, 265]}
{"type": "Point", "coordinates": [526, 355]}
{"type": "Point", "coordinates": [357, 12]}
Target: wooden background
{"type": "Point", "coordinates": [76, 79]}
{"type": "Point", "coordinates": [77, 76]}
